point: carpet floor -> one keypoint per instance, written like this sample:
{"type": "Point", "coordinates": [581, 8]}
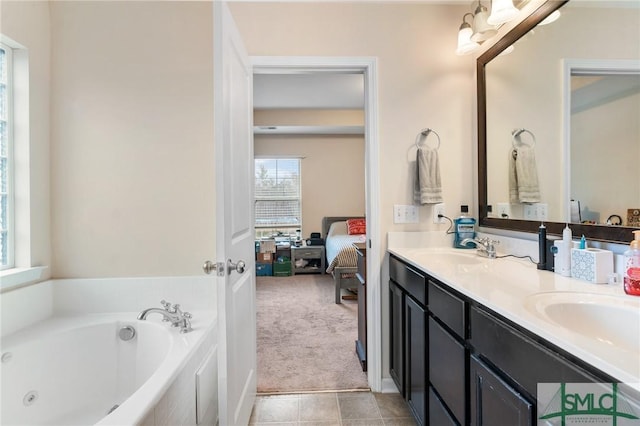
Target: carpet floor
{"type": "Point", "coordinates": [306, 342]}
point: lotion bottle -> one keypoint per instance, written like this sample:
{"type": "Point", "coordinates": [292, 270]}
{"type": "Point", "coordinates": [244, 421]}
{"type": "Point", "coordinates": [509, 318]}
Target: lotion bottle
{"type": "Point", "coordinates": [632, 266]}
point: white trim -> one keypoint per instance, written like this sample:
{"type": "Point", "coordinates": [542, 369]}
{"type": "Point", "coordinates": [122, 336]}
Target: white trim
{"type": "Point", "coordinates": [308, 130]}
{"type": "Point", "coordinates": [367, 66]}
{"type": "Point", "coordinates": [596, 66]}
{"type": "Point", "coordinates": [18, 277]}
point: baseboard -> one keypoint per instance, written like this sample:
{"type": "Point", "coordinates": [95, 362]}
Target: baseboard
{"type": "Point", "coordinates": [389, 386]}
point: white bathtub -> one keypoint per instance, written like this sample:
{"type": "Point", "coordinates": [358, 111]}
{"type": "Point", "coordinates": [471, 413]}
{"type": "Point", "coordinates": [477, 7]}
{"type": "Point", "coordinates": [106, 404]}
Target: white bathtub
{"type": "Point", "coordinates": [73, 370]}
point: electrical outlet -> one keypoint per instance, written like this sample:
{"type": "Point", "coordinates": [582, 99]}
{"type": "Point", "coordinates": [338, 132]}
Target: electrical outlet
{"type": "Point", "coordinates": [543, 211]}
{"type": "Point", "coordinates": [438, 209]}
{"type": "Point", "coordinates": [503, 210]}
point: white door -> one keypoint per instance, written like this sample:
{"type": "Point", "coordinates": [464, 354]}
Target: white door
{"type": "Point", "coordinates": [233, 121]}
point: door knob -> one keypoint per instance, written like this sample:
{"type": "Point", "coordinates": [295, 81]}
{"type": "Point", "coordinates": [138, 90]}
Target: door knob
{"type": "Point", "coordinates": [238, 267]}
{"type": "Point", "coordinates": [210, 266]}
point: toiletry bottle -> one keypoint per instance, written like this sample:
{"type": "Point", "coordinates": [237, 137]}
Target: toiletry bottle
{"type": "Point", "coordinates": [632, 266]}
{"type": "Point", "coordinates": [464, 227]}
{"type": "Point", "coordinates": [567, 239]}
{"type": "Point", "coordinates": [542, 247]}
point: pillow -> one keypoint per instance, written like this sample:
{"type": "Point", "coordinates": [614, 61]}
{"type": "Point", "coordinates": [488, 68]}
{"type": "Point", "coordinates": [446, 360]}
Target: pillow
{"type": "Point", "coordinates": [356, 226]}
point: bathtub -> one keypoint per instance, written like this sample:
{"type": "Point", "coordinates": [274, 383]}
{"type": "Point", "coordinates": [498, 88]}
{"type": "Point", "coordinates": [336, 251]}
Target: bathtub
{"type": "Point", "coordinates": [76, 370]}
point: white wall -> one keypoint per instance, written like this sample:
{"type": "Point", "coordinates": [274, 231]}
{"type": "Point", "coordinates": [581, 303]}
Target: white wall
{"type": "Point", "coordinates": [132, 178]}
{"type": "Point", "coordinates": [27, 23]}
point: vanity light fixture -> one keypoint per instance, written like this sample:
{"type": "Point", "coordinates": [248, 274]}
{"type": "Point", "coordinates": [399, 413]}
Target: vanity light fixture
{"type": "Point", "coordinates": [502, 11]}
{"type": "Point", "coordinates": [481, 29]}
{"type": "Point", "coordinates": [465, 44]}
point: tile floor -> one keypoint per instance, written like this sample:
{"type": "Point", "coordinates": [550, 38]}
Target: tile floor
{"type": "Point", "coordinates": [331, 409]}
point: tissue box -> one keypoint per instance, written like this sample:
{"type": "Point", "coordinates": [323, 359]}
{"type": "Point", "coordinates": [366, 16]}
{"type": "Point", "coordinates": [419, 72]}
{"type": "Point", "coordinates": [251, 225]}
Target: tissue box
{"type": "Point", "coordinates": [591, 264]}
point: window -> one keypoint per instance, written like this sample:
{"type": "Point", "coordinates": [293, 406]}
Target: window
{"type": "Point", "coordinates": [6, 158]}
{"type": "Point", "coordinates": [277, 196]}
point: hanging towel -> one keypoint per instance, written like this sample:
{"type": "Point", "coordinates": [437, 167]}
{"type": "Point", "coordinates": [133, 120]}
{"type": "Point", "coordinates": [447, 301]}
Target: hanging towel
{"type": "Point", "coordinates": [427, 187]}
{"type": "Point", "coordinates": [523, 176]}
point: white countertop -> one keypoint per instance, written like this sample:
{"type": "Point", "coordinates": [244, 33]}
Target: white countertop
{"type": "Point", "coordinates": [511, 287]}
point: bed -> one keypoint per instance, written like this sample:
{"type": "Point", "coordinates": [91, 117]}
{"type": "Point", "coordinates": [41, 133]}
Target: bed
{"type": "Point", "coordinates": [340, 252]}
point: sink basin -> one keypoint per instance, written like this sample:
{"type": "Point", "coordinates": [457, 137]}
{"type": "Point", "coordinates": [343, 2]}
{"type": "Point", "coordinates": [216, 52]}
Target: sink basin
{"type": "Point", "coordinates": [612, 320]}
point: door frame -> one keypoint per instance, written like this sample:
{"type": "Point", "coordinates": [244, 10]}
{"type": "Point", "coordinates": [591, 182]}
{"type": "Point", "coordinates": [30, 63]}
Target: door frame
{"type": "Point", "coordinates": [368, 66]}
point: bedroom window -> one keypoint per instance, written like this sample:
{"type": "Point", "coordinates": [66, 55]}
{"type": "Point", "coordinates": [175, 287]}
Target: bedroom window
{"type": "Point", "coordinates": [278, 196]}
{"type": "Point", "coordinates": [6, 159]}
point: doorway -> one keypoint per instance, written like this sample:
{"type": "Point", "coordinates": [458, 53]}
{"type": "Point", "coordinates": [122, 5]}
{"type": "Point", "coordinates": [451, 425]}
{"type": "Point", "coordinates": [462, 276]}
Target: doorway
{"type": "Point", "coordinates": [367, 67]}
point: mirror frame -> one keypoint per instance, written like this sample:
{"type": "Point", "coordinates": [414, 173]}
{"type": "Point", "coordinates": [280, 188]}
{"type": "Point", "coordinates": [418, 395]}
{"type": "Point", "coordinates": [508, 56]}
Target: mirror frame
{"type": "Point", "coordinates": [616, 234]}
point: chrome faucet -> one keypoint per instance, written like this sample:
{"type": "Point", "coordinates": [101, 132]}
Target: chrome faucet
{"type": "Point", "coordinates": [172, 314]}
{"type": "Point", "coordinates": [484, 246]}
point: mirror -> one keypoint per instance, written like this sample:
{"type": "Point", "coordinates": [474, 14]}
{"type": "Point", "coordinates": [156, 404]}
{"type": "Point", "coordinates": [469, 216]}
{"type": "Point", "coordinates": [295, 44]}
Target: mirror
{"type": "Point", "coordinates": [530, 89]}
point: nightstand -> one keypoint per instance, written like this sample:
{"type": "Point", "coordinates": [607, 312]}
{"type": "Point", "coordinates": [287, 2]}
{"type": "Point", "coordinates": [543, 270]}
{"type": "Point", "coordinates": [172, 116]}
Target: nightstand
{"type": "Point", "coordinates": [310, 259]}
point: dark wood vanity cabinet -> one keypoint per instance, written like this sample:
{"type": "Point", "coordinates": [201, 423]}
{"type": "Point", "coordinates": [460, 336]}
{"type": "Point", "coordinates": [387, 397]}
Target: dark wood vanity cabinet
{"type": "Point", "coordinates": [408, 364]}
{"type": "Point", "coordinates": [457, 362]}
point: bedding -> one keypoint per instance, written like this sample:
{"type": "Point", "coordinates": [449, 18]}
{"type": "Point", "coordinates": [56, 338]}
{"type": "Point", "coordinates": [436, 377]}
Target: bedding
{"type": "Point", "coordinates": [339, 246]}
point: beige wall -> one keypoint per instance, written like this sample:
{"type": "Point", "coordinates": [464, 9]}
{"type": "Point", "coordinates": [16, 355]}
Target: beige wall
{"type": "Point", "coordinates": [422, 83]}
{"type": "Point", "coordinates": [332, 165]}
{"type": "Point", "coordinates": [27, 23]}
{"type": "Point", "coordinates": [132, 179]}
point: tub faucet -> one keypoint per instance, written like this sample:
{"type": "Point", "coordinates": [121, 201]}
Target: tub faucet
{"type": "Point", "coordinates": [174, 315]}
{"type": "Point", "coordinates": [485, 246]}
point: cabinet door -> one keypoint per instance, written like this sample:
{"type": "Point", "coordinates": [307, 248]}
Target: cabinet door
{"type": "Point", "coordinates": [416, 347]}
{"type": "Point", "coordinates": [494, 402]}
{"type": "Point", "coordinates": [447, 369]}
{"type": "Point", "coordinates": [396, 330]}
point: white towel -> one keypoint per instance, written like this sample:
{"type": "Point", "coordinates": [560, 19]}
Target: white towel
{"type": "Point", "coordinates": [427, 187]}
{"type": "Point", "coordinates": [523, 176]}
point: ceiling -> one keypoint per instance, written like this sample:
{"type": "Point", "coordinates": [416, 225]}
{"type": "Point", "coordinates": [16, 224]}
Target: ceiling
{"type": "Point", "coordinates": [309, 90]}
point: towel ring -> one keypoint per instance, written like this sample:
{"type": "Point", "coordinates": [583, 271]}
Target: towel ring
{"type": "Point", "coordinates": [425, 133]}
{"type": "Point", "coordinates": [515, 138]}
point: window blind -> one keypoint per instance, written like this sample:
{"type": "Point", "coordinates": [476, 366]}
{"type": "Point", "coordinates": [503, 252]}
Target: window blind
{"type": "Point", "coordinates": [278, 194]}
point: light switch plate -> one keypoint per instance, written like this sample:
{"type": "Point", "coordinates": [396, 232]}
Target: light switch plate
{"type": "Point", "coordinates": [405, 213]}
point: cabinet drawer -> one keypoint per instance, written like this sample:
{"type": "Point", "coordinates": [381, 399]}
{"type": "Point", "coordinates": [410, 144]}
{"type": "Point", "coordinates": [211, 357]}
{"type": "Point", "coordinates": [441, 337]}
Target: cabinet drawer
{"type": "Point", "coordinates": [524, 360]}
{"type": "Point", "coordinates": [305, 253]}
{"type": "Point", "coordinates": [447, 369]}
{"type": "Point", "coordinates": [412, 281]}
{"type": "Point", "coordinates": [448, 308]}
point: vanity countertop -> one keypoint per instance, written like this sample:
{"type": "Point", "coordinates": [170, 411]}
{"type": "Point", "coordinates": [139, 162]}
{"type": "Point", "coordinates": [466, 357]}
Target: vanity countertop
{"type": "Point", "coordinates": [517, 290]}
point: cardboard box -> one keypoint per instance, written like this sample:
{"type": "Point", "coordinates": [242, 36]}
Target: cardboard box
{"type": "Point", "coordinates": [268, 246]}
{"type": "Point", "coordinates": [266, 257]}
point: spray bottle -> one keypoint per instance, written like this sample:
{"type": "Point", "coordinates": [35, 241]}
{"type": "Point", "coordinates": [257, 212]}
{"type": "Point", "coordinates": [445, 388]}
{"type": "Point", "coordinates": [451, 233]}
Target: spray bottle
{"type": "Point", "coordinates": [632, 266]}
{"type": "Point", "coordinates": [464, 227]}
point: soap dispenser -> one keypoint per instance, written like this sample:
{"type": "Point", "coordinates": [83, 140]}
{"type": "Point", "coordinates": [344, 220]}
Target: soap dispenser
{"type": "Point", "coordinates": [632, 266]}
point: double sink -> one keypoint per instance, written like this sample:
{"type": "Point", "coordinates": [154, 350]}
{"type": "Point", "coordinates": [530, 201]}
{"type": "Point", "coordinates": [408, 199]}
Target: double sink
{"type": "Point", "coordinates": [597, 319]}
